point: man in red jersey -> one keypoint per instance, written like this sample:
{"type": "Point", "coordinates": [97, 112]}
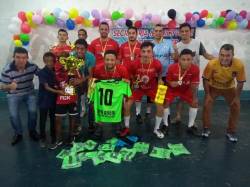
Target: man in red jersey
{"type": "Point", "coordinates": [65, 104]}
{"type": "Point", "coordinates": [183, 80]}
{"type": "Point", "coordinates": [130, 50]}
{"type": "Point", "coordinates": [109, 70]}
{"type": "Point", "coordinates": [143, 74]}
{"type": "Point", "coordinates": [99, 45]}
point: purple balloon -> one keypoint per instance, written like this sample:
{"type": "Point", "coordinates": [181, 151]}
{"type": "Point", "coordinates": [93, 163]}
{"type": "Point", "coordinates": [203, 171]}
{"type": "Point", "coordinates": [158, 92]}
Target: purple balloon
{"type": "Point", "coordinates": [60, 23]}
{"type": "Point", "coordinates": [231, 15]}
{"type": "Point", "coordinates": [238, 18]}
{"type": "Point", "coordinates": [96, 14]}
{"type": "Point", "coordinates": [145, 22]}
{"type": "Point", "coordinates": [121, 22]}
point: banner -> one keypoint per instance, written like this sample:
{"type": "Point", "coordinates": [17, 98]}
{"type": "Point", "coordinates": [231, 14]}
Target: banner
{"type": "Point", "coordinates": [146, 34]}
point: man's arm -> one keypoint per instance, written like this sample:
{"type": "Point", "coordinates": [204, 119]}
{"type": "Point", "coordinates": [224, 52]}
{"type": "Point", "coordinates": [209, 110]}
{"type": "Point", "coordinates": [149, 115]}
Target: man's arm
{"type": "Point", "coordinates": [8, 87]}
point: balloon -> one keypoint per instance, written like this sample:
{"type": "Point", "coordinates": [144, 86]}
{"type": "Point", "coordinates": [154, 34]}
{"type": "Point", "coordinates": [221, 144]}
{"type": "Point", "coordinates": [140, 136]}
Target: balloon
{"type": "Point", "coordinates": [116, 15]}
{"type": "Point", "coordinates": [45, 12]}
{"type": "Point", "coordinates": [129, 23]}
{"type": "Point", "coordinates": [243, 14]}
{"type": "Point", "coordinates": [16, 37]}
{"type": "Point", "coordinates": [21, 15]}
{"type": "Point", "coordinates": [220, 21]}
{"type": "Point", "coordinates": [70, 24]}
{"type": "Point", "coordinates": [87, 23]}
{"type": "Point", "coordinates": [105, 13]}
{"type": "Point", "coordinates": [29, 15]}
{"type": "Point", "coordinates": [25, 43]}
{"type": "Point", "coordinates": [214, 24]}
{"type": "Point", "coordinates": [25, 28]}
{"type": "Point", "coordinates": [209, 21]}
{"type": "Point", "coordinates": [13, 28]}
{"type": "Point", "coordinates": [156, 19]}
{"type": "Point", "coordinates": [164, 20]}
{"type": "Point", "coordinates": [223, 13]}
{"type": "Point", "coordinates": [63, 16]}
{"type": "Point", "coordinates": [96, 22]}
{"type": "Point", "coordinates": [248, 16]}
{"type": "Point", "coordinates": [85, 14]}
{"type": "Point", "coordinates": [16, 20]}
{"type": "Point", "coordinates": [95, 14]}
{"type": "Point", "coordinates": [172, 13]}
{"type": "Point", "coordinates": [204, 13]}
{"type": "Point", "coordinates": [172, 24]}
{"type": "Point", "coordinates": [145, 22]}
{"type": "Point", "coordinates": [238, 18]}
{"type": "Point", "coordinates": [192, 23]}
{"type": "Point", "coordinates": [128, 13]}
{"type": "Point", "coordinates": [210, 15]}
{"type": "Point", "coordinates": [50, 19]}
{"type": "Point", "coordinates": [188, 16]}
{"type": "Point", "coordinates": [243, 24]}
{"type": "Point", "coordinates": [18, 43]}
{"type": "Point", "coordinates": [200, 23]}
{"type": "Point", "coordinates": [60, 23]}
{"type": "Point", "coordinates": [73, 13]}
{"type": "Point", "coordinates": [24, 37]}
{"type": "Point", "coordinates": [79, 20]}
{"type": "Point", "coordinates": [232, 25]}
{"type": "Point", "coordinates": [195, 17]}
{"type": "Point", "coordinates": [37, 19]}
{"type": "Point", "coordinates": [138, 24]}
{"type": "Point", "coordinates": [230, 15]}
{"type": "Point", "coordinates": [148, 16]}
{"type": "Point", "coordinates": [57, 12]}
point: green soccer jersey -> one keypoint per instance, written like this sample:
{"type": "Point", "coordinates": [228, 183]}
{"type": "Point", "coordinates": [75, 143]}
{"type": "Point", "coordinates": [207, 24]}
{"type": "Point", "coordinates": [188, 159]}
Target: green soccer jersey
{"type": "Point", "coordinates": [108, 98]}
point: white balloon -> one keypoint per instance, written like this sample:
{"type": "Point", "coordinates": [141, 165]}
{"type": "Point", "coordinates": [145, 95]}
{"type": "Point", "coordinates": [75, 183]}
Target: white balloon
{"type": "Point", "coordinates": [14, 28]}
{"type": "Point", "coordinates": [45, 12]}
{"type": "Point", "coordinates": [209, 21]}
{"type": "Point", "coordinates": [63, 15]}
{"type": "Point", "coordinates": [164, 20]}
{"type": "Point", "coordinates": [16, 20]}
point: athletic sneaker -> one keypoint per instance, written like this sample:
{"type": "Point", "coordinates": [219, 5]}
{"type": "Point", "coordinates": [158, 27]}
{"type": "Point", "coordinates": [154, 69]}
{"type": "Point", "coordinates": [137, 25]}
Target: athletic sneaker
{"type": "Point", "coordinates": [232, 137]}
{"type": "Point", "coordinates": [159, 133]}
{"type": "Point", "coordinates": [164, 129]}
{"type": "Point", "coordinates": [139, 119]}
{"type": "Point", "coordinates": [55, 145]}
{"type": "Point", "coordinates": [125, 132]}
{"type": "Point", "coordinates": [193, 130]}
{"type": "Point", "coordinates": [205, 133]}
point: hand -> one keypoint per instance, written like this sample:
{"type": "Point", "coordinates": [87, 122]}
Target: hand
{"type": "Point", "coordinates": [61, 92]}
{"type": "Point", "coordinates": [75, 82]}
{"type": "Point", "coordinates": [174, 84]}
{"type": "Point", "coordinates": [12, 86]}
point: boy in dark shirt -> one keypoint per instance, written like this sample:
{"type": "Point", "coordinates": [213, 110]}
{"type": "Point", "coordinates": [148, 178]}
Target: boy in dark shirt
{"type": "Point", "coordinates": [47, 96]}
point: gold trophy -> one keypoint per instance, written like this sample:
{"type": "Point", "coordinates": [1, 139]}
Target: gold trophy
{"type": "Point", "coordinates": [72, 65]}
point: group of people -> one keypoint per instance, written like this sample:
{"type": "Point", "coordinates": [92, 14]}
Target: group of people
{"type": "Point", "coordinates": [143, 66]}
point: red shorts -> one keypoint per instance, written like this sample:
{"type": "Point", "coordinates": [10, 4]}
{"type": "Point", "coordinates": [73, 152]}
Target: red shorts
{"type": "Point", "coordinates": [137, 94]}
{"type": "Point", "coordinates": [184, 96]}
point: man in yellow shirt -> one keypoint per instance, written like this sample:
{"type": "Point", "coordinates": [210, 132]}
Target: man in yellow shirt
{"type": "Point", "coordinates": [219, 80]}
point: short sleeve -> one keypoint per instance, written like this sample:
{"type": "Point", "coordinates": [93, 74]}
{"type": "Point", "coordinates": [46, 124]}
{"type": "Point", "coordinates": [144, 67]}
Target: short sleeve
{"type": "Point", "coordinates": [207, 73]}
{"type": "Point", "coordinates": [202, 50]}
{"type": "Point", "coordinates": [126, 89]}
{"type": "Point", "coordinates": [195, 75]}
{"type": "Point", "coordinates": [241, 75]}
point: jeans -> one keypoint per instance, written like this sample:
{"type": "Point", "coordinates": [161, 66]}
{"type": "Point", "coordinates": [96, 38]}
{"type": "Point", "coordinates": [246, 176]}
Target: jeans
{"type": "Point", "coordinates": [14, 103]}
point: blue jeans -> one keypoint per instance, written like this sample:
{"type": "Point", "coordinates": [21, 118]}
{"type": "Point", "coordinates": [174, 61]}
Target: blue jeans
{"type": "Point", "coordinates": [14, 103]}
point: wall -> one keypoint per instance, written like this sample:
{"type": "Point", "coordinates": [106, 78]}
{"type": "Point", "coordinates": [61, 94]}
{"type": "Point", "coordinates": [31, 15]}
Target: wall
{"type": "Point", "coordinates": [45, 36]}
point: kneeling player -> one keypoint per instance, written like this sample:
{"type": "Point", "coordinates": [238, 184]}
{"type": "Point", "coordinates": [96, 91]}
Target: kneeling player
{"type": "Point", "coordinates": [183, 81]}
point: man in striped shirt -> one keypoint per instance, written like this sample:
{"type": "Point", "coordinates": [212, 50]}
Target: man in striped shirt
{"type": "Point", "coordinates": [17, 80]}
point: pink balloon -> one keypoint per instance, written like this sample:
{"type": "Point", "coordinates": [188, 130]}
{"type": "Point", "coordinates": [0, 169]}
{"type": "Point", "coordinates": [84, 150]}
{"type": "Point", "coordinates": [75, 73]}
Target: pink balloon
{"type": "Point", "coordinates": [156, 19]}
{"type": "Point", "coordinates": [195, 17]}
{"type": "Point", "coordinates": [243, 14]}
{"type": "Point", "coordinates": [188, 16]}
{"type": "Point", "coordinates": [96, 22]}
{"type": "Point", "coordinates": [38, 19]}
{"type": "Point", "coordinates": [105, 13]}
{"type": "Point", "coordinates": [128, 13]}
{"type": "Point", "coordinates": [248, 16]}
{"type": "Point", "coordinates": [25, 28]}
{"type": "Point", "coordinates": [22, 16]}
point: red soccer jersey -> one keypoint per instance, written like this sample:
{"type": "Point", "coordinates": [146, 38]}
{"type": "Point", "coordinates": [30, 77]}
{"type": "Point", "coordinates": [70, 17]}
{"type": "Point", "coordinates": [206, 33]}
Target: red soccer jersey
{"type": "Point", "coordinates": [97, 47]}
{"type": "Point", "coordinates": [62, 74]}
{"type": "Point", "coordinates": [145, 74]}
{"type": "Point", "coordinates": [192, 76]}
{"type": "Point", "coordinates": [128, 54]}
{"type": "Point", "coordinates": [120, 72]}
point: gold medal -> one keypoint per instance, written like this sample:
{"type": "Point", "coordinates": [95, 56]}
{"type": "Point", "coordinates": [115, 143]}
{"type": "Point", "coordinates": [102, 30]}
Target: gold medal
{"type": "Point", "coordinates": [132, 57]}
{"type": "Point", "coordinates": [180, 82]}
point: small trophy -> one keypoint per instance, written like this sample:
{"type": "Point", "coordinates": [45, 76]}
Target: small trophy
{"type": "Point", "coordinates": [71, 64]}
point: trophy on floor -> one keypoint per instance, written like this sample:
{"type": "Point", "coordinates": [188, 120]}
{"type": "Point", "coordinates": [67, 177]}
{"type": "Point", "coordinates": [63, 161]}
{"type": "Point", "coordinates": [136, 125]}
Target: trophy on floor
{"type": "Point", "coordinates": [72, 65]}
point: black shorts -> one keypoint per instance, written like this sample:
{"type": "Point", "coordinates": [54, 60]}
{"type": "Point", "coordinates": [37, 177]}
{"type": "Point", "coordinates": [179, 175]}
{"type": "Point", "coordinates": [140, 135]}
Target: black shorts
{"type": "Point", "coordinates": [63, 110]}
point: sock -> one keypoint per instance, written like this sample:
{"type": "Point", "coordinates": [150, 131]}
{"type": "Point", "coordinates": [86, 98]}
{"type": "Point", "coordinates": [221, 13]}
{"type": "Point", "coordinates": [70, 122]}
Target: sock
{"type": "Point", "coordinates": [126, 121]}
{"type": "Point", "coordinates": [138, 107]}
{"type": "Point", "coordinates": [157, 122]}
{"type": "Point", "coordinates": [165, 116]}
{"type": "Point", "coordinates": [192, 116]}
{"type": "Point", "coordinates": [148, 109]}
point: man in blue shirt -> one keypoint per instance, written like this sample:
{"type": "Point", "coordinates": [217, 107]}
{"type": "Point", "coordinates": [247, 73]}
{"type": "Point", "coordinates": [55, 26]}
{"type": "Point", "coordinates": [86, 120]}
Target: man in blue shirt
{"type": "Point", "coordinates": [17, 79]}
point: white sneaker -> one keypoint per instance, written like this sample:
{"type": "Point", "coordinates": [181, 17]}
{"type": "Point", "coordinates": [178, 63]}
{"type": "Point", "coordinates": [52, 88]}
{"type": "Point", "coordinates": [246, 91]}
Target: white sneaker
{"type": "Point", "coordinates": [159, 134]}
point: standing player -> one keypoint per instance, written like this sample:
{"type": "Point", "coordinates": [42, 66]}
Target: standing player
{"type": "Point", "coordinates": [103, 43]}
{"type": "Point", "coordinates": [144, 72]}
{"type": "Point", "coordinates": [109, 70]}
{"type": "Point", "coordinates": [183, 80]}
{"type": "Point", "coordinates": [219, 80]}
{"type": "Point", "coordinates": [198, 49]}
